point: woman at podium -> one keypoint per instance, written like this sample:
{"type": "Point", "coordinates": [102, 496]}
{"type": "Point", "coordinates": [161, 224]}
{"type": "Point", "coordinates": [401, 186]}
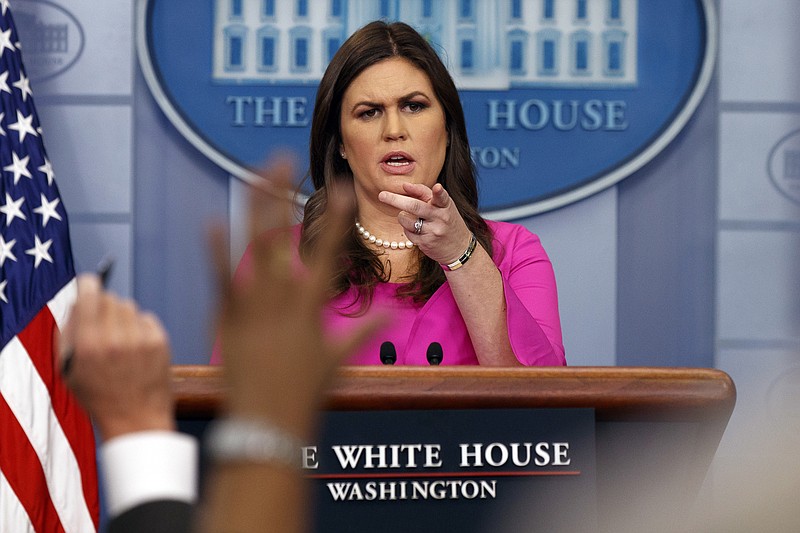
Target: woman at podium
{"type": "Point", "coordinates": [458, 289]}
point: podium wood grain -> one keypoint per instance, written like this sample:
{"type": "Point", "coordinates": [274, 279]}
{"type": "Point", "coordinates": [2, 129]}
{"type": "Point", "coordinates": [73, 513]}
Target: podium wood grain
{"type": "Point", "coordinates": [697, 394]}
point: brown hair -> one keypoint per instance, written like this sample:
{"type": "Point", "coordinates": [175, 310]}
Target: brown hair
{"type": "Point", "coordinates": [360, 267]}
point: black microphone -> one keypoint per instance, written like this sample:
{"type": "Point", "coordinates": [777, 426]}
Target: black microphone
{"type": "Point", "coordinates": [434, 353]}
{"type": "Point", "coordinates": [388, 353]}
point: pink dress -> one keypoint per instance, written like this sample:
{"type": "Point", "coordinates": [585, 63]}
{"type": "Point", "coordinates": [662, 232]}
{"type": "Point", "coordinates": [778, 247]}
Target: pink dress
{"type": "Point", "coordinates": [534, 328]}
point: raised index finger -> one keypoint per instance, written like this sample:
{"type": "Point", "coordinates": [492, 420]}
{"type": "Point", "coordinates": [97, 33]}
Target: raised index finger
{"type": "Point", "coordinates": [440, 196]}
{"type": "Point", "coordinates": [84, 311]}
{"type": "Point", "coordinates": [338, 218]}
{"type": "Point", "coordinates": [402, 202]}
{"type": "Point", "coordinates": [270, 209]}
{"type": "Point", "coordinates": [418, 191]}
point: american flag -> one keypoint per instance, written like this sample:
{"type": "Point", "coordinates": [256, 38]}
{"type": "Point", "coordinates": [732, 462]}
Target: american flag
{"type": "Point", "coordinates": [48, 475]}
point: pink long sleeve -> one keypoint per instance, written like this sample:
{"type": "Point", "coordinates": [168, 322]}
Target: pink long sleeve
{"type": "Point", "coordinates": [534, 326]}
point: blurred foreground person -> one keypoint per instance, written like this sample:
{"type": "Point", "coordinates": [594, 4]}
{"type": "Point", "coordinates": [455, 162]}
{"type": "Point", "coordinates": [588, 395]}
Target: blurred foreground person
{"type": "Point", "coordinates": [277, 364]}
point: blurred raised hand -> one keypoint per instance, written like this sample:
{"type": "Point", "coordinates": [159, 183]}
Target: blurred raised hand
{"type": "Point", "coordinates": [119, 360]}
{"type": "Point", "coordinates": [277, 359]}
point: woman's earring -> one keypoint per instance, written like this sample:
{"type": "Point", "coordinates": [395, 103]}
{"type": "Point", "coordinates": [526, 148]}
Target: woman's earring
{"type": "Point", "coordinates": [343, 154]}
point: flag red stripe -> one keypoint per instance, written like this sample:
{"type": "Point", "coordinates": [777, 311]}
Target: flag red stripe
{"type": "Point", "coordinates": [37, 338]}
{"type": "Point", "coordinates": [24, 473]}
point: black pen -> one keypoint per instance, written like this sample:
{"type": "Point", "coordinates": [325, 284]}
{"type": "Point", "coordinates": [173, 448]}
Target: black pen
{"type": "Point", "coordinates": [104, 270]}
{"type": "Point", "coordinates": [104, 273]}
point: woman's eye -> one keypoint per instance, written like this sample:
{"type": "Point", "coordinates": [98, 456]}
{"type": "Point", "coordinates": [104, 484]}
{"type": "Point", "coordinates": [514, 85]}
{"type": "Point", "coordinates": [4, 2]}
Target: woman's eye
{"type": "Point", "coordinates": [369, 113]}
{"type": "Point", "coordinates": [415, 107]}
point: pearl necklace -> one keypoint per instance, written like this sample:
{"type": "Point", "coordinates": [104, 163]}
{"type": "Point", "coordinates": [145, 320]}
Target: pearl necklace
{"type": "Point", "coordinates": [380, 243]}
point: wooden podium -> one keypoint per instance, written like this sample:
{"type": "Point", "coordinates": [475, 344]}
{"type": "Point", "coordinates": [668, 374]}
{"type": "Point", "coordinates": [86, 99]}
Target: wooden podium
{"type": "Point", "coordinates": [656, 429]}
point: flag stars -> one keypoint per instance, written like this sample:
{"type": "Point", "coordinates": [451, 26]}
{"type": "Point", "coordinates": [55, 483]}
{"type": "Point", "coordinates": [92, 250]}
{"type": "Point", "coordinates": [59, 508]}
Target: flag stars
{"type": "Point", "coordinates": [3, 291]}
{"type": "Point", "coordinates": [46, 169]}
{"type": "Point", "coordinates": [24, 86]}
{"type": "Point", "coordinates": [48, 210]}
{"type": "Point", "coordinates": [5, 41]}
{"type": "Point", "coordinates": [5, 250]}
{"type": "Point", "coordinates": [23, 125]}
{"type": "Point", "coordinates": [19, 167]}
{"type": "Point", "coordinates": [4, 82]}
{"type": "Point", "coordinates": [13, 209]}
{"type": "Point", "coordinates": [40, 251]}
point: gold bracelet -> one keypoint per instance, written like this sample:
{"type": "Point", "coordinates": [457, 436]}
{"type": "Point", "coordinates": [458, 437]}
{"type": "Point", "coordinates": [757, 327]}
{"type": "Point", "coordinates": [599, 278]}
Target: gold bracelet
{"type": "Point", "coordinates": [458, 263]}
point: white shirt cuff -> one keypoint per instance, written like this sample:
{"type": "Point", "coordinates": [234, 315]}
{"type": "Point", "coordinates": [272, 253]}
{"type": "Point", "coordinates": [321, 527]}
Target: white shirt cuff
{"type": "Point", "coordinates": [148, 465]}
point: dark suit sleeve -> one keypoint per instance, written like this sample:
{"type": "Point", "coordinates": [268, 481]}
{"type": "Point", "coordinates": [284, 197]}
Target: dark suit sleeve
{"type": "Point", "coordinates": [160, 516]}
